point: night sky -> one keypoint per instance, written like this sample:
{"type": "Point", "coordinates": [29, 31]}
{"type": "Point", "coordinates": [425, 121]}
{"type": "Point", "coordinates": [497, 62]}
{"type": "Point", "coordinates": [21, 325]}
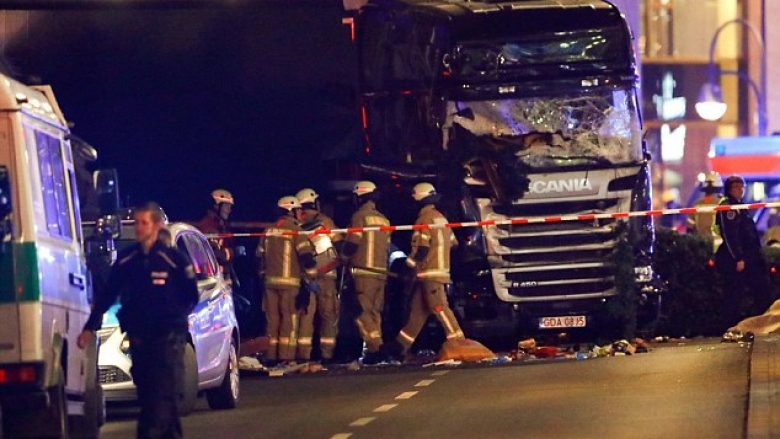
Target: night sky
{"type": "Point", "coordinates": [184, 101]}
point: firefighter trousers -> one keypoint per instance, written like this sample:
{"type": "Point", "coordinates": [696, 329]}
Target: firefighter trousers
{"type": "Point", "coordinates": [282, 322]}
{"type": "Point", "coordinates": [370, 293]}
{"type": "Point", "coordinates": [429, 298]}
{"type": "Point", "coordinates": [326, 305]}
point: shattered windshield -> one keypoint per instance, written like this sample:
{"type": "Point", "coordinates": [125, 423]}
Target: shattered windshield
{"type": "Point", "coordinates": [599, 126]}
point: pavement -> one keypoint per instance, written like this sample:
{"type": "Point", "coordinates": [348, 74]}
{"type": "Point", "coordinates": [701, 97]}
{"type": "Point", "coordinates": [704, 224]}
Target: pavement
{"type": "Point", "coordinates": [696, 388]}
{"type": "Point", "coordinates": [763, 419]}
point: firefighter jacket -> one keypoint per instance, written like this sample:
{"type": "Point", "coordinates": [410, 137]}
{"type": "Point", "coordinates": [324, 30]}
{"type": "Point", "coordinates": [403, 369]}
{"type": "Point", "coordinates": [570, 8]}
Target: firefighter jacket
{"type": "Point", "coordinates": [282, 252]}
{"type": "Point", "coordinates": [740, 237]}
{"type": "Point", "coordinates": [436, 263]}
{"type": "Point", "coordinates": [703, 223]}
{"type": "Point", "coordinates": [323, 244]}
{"type": "Point", "coordinates": [370, 258]}
{"type": "Point", "coordinates": [157, 291]}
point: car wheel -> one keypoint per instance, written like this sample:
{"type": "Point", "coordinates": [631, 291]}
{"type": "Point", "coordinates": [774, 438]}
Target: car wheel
{"type": "Point", "coordinates": [189, 392]}
{"type": "Point", "coordinates": [225, 396]}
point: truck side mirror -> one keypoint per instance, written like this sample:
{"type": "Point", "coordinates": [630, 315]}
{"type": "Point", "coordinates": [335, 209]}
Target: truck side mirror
{"type": "Point", "coordinates": [107, 189]}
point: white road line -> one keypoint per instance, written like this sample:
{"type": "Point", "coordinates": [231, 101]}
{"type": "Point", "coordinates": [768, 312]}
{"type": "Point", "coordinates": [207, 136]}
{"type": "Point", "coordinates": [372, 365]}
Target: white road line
{"type": "Point", "coordinates": [406, 395]}
{"type": "Point", "coordinates": [424, 383]}
{"type": "Point", "coordinates": [362, 421]}
{"type": "Point", "coordinates": [341, 436]}
{"type": "Point", "coordinates": [440, 373]}
{"type": "Point", "coordinates": [385, 408]}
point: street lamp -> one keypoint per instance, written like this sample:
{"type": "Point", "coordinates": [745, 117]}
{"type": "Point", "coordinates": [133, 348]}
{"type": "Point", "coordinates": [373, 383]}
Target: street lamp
{"type": "Point", "coordinates": [711, 106]}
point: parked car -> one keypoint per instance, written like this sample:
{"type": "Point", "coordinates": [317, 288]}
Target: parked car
{"type": "Point", "coordinates": [211, 356]}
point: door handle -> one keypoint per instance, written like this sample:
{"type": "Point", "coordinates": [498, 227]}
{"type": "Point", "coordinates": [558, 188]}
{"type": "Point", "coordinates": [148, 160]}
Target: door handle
{"type": "Point", "coordinates": [77, 281]}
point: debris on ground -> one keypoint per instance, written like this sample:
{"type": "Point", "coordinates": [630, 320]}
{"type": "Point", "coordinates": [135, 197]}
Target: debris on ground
{"type": "Point", "coordinates": [464, 349]}
{"type": "Point", "coordinates": [250, 363]}
{"type": "Point", "coordinates": [736, 336]}
{"type": "Point", "coordinates": [764, 324]}
{"type": "Point", "coordinates": [504, 359]}
{"type": "Point", "coordinates": [444, 363]}
{"type": "Point", "coordinates": [527, 344]}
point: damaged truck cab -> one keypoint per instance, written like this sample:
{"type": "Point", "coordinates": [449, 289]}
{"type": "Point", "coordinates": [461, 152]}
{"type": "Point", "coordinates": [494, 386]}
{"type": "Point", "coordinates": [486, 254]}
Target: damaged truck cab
{"type": "Point", "coordinates": [518, 109]}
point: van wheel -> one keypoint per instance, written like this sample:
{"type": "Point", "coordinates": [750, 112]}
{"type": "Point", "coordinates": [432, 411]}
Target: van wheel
{"type": "Point", "coordinates": [88, 426]}
{"type": "Point", "coordinates": [225, 396]}
{"type": "Point", "coordinates": [188, 396]}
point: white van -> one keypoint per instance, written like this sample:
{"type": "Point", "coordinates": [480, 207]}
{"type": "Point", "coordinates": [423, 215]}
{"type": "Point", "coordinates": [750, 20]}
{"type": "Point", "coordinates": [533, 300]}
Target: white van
{"type": "Point", "coordinates": [48, 386]}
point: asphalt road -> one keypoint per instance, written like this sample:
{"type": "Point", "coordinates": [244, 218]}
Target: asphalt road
{"type": "Point", "coordinates": [695, 390]}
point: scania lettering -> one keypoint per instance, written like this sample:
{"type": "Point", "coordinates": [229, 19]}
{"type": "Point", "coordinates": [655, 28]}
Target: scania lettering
{"type": "Point", "coordinates": [516, 109]}
{"type": "Point", "coordinates": [48, 386]}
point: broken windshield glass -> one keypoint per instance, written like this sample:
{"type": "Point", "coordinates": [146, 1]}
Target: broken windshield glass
{"type": "Point", "coordinates": [600, 126]}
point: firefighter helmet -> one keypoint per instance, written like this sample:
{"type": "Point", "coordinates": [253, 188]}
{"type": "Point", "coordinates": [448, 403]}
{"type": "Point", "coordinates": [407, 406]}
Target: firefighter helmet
{"type": "Point", "coordinates": [222, 196]}
{"type": "Point", "coordinates": [364, 187]}
{"type": "Point", "coordinates": [422, 191]}
{"type": "Point", "coordinates": [712, 182]}
{"type": "Point", "coordinates": [288, 203]}
{"type": "Point", "coordinates": [307, 195]}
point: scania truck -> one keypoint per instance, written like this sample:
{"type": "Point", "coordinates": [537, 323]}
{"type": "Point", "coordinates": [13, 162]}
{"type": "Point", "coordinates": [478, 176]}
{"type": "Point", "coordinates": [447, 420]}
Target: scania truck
{"type": "Point", "coordinates": [48, 386]}
{"type": "Point", "coordinates": [519, 108]}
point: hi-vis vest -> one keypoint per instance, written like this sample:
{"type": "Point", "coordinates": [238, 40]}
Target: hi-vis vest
{"type": "Point", "coordinates": [281, 253]}
{"type": "Point", "coordinates": [324, 252]}
{"type": "Point", "coordinates": [436, 266]}
{"type": "Point", "coordinates": [372, 246]}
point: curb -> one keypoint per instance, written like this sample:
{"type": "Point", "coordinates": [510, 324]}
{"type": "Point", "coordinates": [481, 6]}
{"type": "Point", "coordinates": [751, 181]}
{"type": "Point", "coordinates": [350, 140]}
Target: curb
{"type": "Point", "coordinates": [763, 419]}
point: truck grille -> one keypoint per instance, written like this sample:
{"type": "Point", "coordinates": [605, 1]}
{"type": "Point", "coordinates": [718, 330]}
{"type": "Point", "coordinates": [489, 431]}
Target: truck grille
{"type": "Point", "coordinates": [558, 261]}
{"type": "Point", "coordinates": [112, 374]}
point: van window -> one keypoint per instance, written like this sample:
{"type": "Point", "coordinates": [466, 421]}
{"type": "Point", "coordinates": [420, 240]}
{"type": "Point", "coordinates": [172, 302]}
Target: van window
{"type": "Point", "coordinates": [55, 195]}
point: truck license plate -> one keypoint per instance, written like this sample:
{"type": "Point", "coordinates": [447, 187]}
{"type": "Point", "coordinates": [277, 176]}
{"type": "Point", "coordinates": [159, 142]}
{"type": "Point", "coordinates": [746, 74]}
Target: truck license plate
{"type": "Point", "coordinates": [562, 322]}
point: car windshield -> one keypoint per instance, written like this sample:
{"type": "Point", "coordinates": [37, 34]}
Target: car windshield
{"type": "Point", "coordinates": [598, 126]}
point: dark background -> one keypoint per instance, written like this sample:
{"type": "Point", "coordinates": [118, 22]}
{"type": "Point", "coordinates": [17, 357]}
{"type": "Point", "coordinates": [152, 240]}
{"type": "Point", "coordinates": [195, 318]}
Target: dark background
{"type": "Point", "coordinates": [184, 99]}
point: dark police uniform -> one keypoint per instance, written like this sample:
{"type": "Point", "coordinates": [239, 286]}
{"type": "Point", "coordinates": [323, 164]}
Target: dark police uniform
{"type": "Point", "coordinates": [741, 242]}
{"type": "Point", "coordinates": [157, 292]}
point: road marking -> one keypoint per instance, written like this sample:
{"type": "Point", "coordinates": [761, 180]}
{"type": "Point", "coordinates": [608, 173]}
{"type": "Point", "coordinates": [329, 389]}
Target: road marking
{"type": "Point", "coordinates": [406, 395]}
{"type": "Point", "coordinates": [424, 383]}
{"type": "Point", "coordinates": [440, 373]}
{"type": "Point", "coordinates": [385, 408]}
{"type": "Point", "coordinates": [341, 436]}
{"type": "Point", "coordinates": [362, 421]}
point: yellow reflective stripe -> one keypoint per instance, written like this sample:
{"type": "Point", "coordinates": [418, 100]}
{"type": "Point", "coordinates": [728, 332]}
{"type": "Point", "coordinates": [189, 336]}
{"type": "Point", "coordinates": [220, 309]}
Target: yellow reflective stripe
{"type": "Point", "coordinates": [447, 323]}
{"type": "Point", "coordinates": [294, 331]}
{"type": "Point", "coordinates": [304, 341]}
{"type": "Point", "coordinates": [361, 328]}
{"type": "Point", "coordinates": [375, 334]}
{"type": "Point", "coordinates": [286, 281]}
{"type": "Point", "coordinates": [406, 337]}
{"type": "Point", "coordinates": [286, 256]}
{"type": "Point", "coordinates": [327, 340]}
{"type": "Point", "coordinates": [425, 237]}
{"type": "Point", "coordinates": [440, 248]}
{"type": "Point", "coordinates": [273, 340]}
{"type": "Point", "coordinates": [360, 272]}
{"type": "Point", "coordinates": [302, 244]}
{"type": "Point", "coordinates": [433, 273]}
{"type": "Point", "coordinates": [370, 249]}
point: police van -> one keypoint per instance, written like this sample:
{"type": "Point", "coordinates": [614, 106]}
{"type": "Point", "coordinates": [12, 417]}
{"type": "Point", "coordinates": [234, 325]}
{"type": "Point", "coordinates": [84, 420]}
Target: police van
{"type": "Point", "coordinates": [48, 386]}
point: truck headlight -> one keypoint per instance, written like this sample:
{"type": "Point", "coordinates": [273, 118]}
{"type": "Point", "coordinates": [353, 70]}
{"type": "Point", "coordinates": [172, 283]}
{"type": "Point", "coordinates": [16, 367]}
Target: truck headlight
{"type": "Point", "coordinates": [643, 274]}
{"type": "Point", "coordinates": [124, 345]}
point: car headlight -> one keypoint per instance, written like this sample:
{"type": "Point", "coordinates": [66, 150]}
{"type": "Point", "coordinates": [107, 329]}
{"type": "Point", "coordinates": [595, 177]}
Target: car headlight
{"type": "Point", "coordinates": [644, 273]}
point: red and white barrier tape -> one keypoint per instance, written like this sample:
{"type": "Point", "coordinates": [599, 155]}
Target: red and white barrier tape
{"type": "Point", "coordinates": [509, 221]}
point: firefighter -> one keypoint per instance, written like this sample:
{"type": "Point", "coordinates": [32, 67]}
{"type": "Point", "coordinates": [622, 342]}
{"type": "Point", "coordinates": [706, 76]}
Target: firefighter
{"type": "Point", "coordinates": [215, 221]}
{"type": "Point", "coordinates": [156, 286]}
{"type": "Point", "coordinates": [288, 258]}
{"type": "Point", "coordinates": [739, 258]}
{"type": "Point", "coordinates": [702, 223]}
{"type": "Point", "coordinates": [366, 252]}
{"type": "Point", "coordinates": [327, 301]}
{"type": "Point", "coordinates": [429, 264]}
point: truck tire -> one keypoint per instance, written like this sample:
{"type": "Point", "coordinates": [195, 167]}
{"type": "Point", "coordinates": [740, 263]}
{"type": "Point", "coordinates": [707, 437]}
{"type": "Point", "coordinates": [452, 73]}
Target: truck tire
{"type": "Point", "coordinates": [189, 392]}
{"type": "Point", "coordinates": [225, 397]}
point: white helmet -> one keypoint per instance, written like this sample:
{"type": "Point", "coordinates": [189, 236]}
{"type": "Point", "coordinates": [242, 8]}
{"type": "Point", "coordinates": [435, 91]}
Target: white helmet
{"type": "Point", "coordinates": [422, 191]}
{"type": "Point", "coordinates": [222, 196]}
{"type": "Point", "coordinates": [713, 180]}
{"type": "Point", "coordinates": [288, 203]}
{"type": "Point", "coordinates": [307, 195]}
{"type": "Point", "coordinates": [363, 187]}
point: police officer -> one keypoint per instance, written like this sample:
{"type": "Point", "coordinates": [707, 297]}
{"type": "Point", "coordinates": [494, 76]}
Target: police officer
{"type": "Point", "coordinates": [287, 258]}
{"type": "Point", "coordinates": [156, 286]}
{"type": "Point", "coordinates": [701, 223]}
{"type": "Point", "coordinates": [327, 300]}
{"type": "Point", "coordinates": [429, 261]}
{"type": "Point", "coordinates": [366, 252]}
{"type": "Point", "coordinates": [739, 258]}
